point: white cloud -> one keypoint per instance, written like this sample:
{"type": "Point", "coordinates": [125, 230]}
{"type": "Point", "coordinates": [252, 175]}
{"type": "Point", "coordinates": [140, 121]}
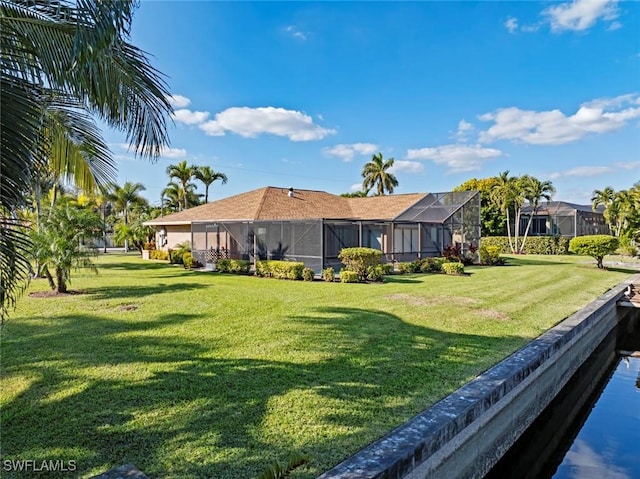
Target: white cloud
{"type": "Point", "coordinates": [580, 15]}
{"type": "Point", "coordinates": [631, 165]}
{"type": "Point", "coordinates": [511, 24]}
{"type": "Point", "coordinates": [251, 122]}
{"type": "Point", "coordinates": [173, 153]}
{"type": "Point", "coordinates": [178, 101]}
{"type": "Point", "coordinates": [458, 158]}
{"type": "Point", "coordinates": [587, 463]}
{"type": "Point", "coordinates": [582, 171]}
{"type": "Point", "coordinates": [406, 167]}
{"type": "Point", "coordinates": [554, 127]}
{"type": "Point", "coordinates": [356, 187]}
{"type": "Point", "coordinates": [296, 32]}
{"type": "Point", "coordinates": [464, 129]}
{"type": "Point", "coordinates": [348, 151]}
{"type": "Point", "coordinates": [189, 117]}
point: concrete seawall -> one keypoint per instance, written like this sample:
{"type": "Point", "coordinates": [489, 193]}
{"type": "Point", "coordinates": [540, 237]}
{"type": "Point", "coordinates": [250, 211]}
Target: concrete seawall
{"type": "Point", "coordinates": [466, 433]}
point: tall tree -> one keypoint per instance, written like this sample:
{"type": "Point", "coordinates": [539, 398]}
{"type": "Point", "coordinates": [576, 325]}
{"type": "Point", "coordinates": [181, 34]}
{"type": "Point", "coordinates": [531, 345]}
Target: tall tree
{"type": "Point", "coordinates": [124, 199]}
{"type": "Point", "coordinates": [492, 221]}
{"type": "Point", "coordinates": [534, 192]}
{"type": "Point", "coordinates": [207, 175]}
{"type": "Point", "coordinates": [173, 196]}
{"type": "Point", "coordinates": [183, 173]}
{"type": "Point", "coordinates": [604, 198]}
{"type": "Point", "coordinates": [376, 174]}
{"type": "Point", "coordinates": [502, 195]}
{"type": "Point", "coordinates": [77, 51]}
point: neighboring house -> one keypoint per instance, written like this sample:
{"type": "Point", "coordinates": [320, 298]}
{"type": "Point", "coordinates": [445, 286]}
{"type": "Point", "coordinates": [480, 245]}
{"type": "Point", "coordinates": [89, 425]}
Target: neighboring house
{"type": "Point", "coordinates": [559, 218]}
{"type": "Point", "coordinates": [313, 226]}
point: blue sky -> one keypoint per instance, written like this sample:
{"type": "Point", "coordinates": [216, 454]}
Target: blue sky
{"type": "Point", "coordinates": [302, 93]}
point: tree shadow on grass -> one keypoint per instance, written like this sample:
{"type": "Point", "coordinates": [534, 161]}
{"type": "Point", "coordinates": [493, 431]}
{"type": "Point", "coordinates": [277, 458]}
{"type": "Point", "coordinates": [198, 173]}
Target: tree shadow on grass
{"type": "Point", "coordinates": [117, 292]}
{"type": "Point", "coordinates": [107, 392]}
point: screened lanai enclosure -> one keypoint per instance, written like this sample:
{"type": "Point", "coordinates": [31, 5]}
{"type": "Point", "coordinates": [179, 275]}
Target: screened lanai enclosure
{"type": "Point", "coordinates": [559, 218]}
{"type": "Point", "coordinates": [423, 230]}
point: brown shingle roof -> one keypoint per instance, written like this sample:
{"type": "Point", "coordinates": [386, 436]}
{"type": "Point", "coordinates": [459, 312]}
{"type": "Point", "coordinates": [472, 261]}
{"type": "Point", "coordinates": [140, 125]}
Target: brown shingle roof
{"type": "Point", "coordinates": [271, 203]}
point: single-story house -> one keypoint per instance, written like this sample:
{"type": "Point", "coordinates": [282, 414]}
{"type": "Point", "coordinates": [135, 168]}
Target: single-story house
{"type": "Point", "coordinates": [559, 218]}
{"type": "Point", "coordinates": [313, 226]}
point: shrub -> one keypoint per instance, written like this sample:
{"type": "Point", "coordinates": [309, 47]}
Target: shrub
{"type": "Point", "coordinates": [594, 245]}
{"type": "Point", "coordinates": [533, 245]}
{"type": "Point", "coordinates": [348, 276]}
{"type": "Point", "coordinates": [359, 260]}
{"type": "Point", "coordinates": [188, 261]}
{"type": "Point", "coordinates": [453, 268]}
{"type": "Point", "coordinates": [490, 255]}
{"type": "Point", "coordinates": [307, 274]}
{"type": "Point", "coordinates": [405, 268]}
{"type": "Point", "coordinates": [235, 266]}
{"type": "Point", "coordinates": [626, 246]}
{"type": "Point", "coordinates": [159, 254]}
{"type": "Point", "coordinates": [328, 275]}
{"type": "Point", "coordinates": [430, 265]}
{"type": "Point", "coordinates": [387, 268]}
{"type": "Point", "coordinates": [175, 256]}
{"type": "Point", "coordinates": [375, 273]}
{"type": "Point", "coordinates": [149, 245]}
{"type": "Point", "coordinates": [280, 269]}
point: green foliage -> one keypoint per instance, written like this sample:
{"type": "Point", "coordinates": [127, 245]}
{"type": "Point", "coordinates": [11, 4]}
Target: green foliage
{"type": "Point", "coordinates": [595, 245]}
{"type": "Point", "coordinates": [280, 269]}
{"type": "Point", "coordinates": [453, 268]}
{"type": "Point", "coordinates": [359, 260]}
{"type": "Point", "coordinates": [626, 246]}
{"type": "Point", "coordinates": [376, 175]}
{"type": "Point", "coordinates": [406, 268]}
{"type": "Point", "coordinates": [387, 268]}
{"type": "Point", "coordinates": [535, 244]}
{"type": "Point", "coordinates": [348, 276]}
{"type": "Point", "coordinates": [188, 261]}
{"type": "Point", "coordinates": [329, 275]}
{"type": "Point", "coordinates": [375, 273]}
{"type": "Point", "coordinates": [235, 266]}
{"type": "Point", "coordinates": [176, 254]}
{"type": "Point", "coordinates": [59, 243]}
{"type": "Point", "coordinates": [492, 220]}
{"type": "Point", "coordinates": [279, 471]}
{"type": "Point", "coordinates": [490, 255]}
{"type": "Point", "coordinates": [159, 254]}
{"type": "Point", "coordinates": [429, 265]}
{"type": "Point", "coordinates": [308, 274]}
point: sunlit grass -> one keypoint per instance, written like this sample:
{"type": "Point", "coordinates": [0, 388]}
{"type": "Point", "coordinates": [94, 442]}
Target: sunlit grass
{"type": "Point", "coordinates": [194, 374]}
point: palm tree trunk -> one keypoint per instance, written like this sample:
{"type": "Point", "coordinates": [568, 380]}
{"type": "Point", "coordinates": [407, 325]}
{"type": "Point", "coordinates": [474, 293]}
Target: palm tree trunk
{"type": "Point", "coordinates": [526, 231]}
{"type": "Point", "coordinates": [52, 283]}
{"type": "Point", "coordinates": [509, 231]}
{"type": "Point", "coordinates": [62, 286]}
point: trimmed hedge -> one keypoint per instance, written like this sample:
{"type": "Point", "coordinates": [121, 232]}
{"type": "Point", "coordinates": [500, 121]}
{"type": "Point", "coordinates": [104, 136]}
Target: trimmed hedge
{"type": "Point", "coordinates": [453, 268]}
{"type": "Point", "coordinates": [359, 260]}
{"type": "Point", "coordinates": [236, 266]}
{"type": "Point", "coordinates": [280, 269]}
{"type": "Point", "coordinates": [188, 261]}
{"type": "Point", "coordinates": [490, 255]}
{"type": "Point", "coordinates": [159, 254]}
{"type": "Point", "coordinates": [534, 244]}
{"type": "Point", "coordinates": [348, 276]}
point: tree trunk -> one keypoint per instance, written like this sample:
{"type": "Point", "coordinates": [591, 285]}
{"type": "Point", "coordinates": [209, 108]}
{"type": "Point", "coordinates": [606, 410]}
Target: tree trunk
{"type": "Point", "coordinates": [509, 231]}
{"type": "Point", "coordinates": [526, 231]}
{"type": "Point", "coordinates": [62, 286]}
{"type": "Point", "coordinates": [52, 283]}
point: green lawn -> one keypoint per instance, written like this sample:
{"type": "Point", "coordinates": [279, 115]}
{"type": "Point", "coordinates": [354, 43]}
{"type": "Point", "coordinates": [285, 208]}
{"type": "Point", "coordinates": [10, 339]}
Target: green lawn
{"type": "Point", "coordinates": [195, 374]}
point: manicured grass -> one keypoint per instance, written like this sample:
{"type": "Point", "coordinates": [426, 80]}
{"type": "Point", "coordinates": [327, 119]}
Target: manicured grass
{"type": "Point", "coordinates": [189, 374]}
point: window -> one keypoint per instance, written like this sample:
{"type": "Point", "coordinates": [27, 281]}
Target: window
{"type": "Point", "coordinates": [405, 240]}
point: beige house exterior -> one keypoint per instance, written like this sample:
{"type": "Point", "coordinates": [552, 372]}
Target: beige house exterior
{"type": "Point", "coordinates": [312, 226]}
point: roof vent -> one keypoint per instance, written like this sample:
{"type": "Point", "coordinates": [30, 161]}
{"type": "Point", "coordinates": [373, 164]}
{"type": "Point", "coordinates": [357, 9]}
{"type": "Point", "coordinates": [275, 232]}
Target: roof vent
{"type": "Point", "coordinates": [290, 194]}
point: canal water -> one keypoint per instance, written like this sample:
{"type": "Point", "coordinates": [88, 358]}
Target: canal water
{"type": "Point", "coordinates": [592, 429]}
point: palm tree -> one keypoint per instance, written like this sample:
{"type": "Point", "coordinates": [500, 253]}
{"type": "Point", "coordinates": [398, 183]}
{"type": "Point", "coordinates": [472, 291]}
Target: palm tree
{"type": "Point", "coordinates": [502, 194]}
{"type": "Point", "coordinates": [535, 191]}
{"type": "Point", "coordinates": [58, 245]}
{"type": "Point", "coordinates": [173, 194]}
{"type": "Point", "coordinates": [124, 199]}
{"type": "Point", "coordinates": [69, 53]}
{"type": "Point", "coordinates": [604, 198]}
{"type": "Point", "coordinates": [207, 175]}
{"type": "Point", "coordinates": [183, 173]}
{"type": "Point", "coordinates": [376, 173]}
